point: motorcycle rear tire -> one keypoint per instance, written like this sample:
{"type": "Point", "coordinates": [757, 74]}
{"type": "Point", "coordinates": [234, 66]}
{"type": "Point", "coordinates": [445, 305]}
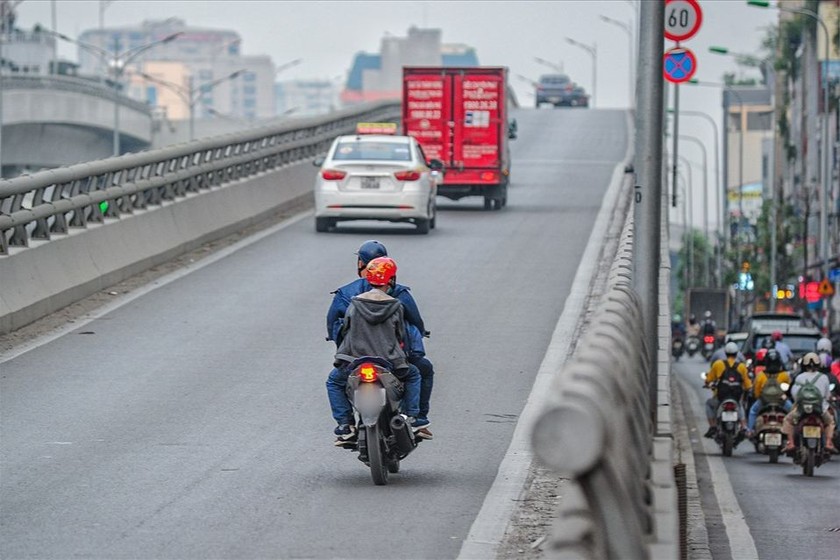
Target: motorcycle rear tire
{"type": "Point", "coordinates": [376, 456]}
{"type": "Point", "coordinates": [774, 454]}
{"type": "Point", "coordinates": [728, 443]}
{"type": "Point", "coordinates": [808, 463]}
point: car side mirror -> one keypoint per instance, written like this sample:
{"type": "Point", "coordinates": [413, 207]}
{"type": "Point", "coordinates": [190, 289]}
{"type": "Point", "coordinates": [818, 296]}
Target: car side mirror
{"type": "Point", "coordinates": [436, 165]}
{"type": "Point", "coordinates": [319, 161]}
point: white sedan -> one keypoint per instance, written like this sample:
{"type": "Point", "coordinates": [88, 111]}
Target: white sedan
{"type": "Point", "coordinates": [376, 177]}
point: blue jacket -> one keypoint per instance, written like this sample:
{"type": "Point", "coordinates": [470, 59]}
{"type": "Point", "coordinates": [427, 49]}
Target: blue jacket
{"type": "Point", "coordinates": [341, 300]}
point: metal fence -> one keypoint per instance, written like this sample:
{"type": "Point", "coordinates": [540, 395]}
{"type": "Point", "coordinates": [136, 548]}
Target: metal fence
{"type": "Point", "coordinates": [598, 430]}
{"type": "Point", "coordinates": [50, 203]}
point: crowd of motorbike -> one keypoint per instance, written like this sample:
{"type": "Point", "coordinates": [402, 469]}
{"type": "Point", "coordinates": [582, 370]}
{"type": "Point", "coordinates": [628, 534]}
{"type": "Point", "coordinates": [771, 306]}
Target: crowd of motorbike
{"type": "Point", "coordinates": [775, 401]}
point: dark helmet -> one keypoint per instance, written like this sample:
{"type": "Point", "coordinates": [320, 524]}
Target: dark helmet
{"type": "Point", "coordinates": [370, 250]}
{"type": "Point", "coordinates": [772, 361]}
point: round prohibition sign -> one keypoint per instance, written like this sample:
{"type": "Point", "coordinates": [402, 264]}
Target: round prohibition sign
{"type": "Point", "coordinates": [682, 19]}
{"type": "Point", "coordinates": [678, 65]}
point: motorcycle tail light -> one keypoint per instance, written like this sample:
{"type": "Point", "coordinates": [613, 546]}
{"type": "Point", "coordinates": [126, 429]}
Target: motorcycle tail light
{"type": "Point", "coordinates": [367, 373]}
{"type": "Point", "coordinates": [708, 339]}
{"type": "Point", "coordinates": [729, 406]}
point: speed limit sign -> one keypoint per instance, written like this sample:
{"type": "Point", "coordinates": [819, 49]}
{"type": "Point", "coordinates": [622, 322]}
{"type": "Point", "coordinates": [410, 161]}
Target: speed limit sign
{"type": "Point", "coordinates": [682, 19]}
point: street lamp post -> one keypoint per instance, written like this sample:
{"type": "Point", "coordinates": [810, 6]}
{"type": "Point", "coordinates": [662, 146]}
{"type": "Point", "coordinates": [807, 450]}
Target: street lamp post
{"type": "Point", "coordinates": [593, 52]}
{"type": "Point", "coordinates": [118, 61]}
{"type": "Point", "coordinates": [549, 64]}
{"type": "Point", "coordinates": [626, 27]}
{"type": "Point", "coordinates": [688, 209]}
{"type": "Point", "coordinates": [697, 142]}
{"type": "Point", "coordinates": [826, 171]}
{"type": "Point", "coordinates": [191, 94]}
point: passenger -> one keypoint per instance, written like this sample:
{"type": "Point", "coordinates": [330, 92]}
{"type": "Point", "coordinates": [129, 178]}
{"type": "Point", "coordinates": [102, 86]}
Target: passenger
{"type": "Point", "coordinates": [373, 325]}
{"type": "Point", "coordinates": [810, 380]}
{"type": "Point", "coordinates": [771, 375]}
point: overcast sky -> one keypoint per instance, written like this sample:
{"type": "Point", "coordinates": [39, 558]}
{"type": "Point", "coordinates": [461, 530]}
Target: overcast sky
{"type": "Point", "coordinates": [508, 33]}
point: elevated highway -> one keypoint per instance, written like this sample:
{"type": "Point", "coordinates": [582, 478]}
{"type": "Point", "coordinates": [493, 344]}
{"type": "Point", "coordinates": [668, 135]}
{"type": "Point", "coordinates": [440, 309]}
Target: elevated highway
{"type": "Point", "coordinates": [55, 121]}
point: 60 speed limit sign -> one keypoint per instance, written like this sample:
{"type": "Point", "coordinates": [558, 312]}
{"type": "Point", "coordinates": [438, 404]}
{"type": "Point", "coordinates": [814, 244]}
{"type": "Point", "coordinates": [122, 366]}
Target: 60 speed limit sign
{"type": "Point", "coordinates": [682, 19]}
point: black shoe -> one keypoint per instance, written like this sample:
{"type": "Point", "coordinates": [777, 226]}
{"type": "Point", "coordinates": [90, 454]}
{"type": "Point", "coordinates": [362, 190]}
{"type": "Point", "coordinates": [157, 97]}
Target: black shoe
{"type": "Point", "coordinates": [711, 432]}
{"type": "Point", "coordinates": [345, 434]}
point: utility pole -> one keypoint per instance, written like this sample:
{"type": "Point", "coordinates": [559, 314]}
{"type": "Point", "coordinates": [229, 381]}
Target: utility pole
{"type": "Point", "coordinates": [647, 208]}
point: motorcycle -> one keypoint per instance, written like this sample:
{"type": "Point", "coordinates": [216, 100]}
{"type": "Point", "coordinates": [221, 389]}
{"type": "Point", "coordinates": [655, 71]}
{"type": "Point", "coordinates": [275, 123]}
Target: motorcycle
{"type": "Point", "coordinates": [677, 348]}
{"type": "Point", "coordinates": [768, 427]}
{"type": "Point", "coordinates": [385, 437]}
{"type": "Point", "coordinates": [692, 345]}
{"type": "Point", "coordinates": [728, 434]}
{"type": "Point", "coordinates": [708, 347]}
{"type": "Point", "coordinates": [809, 450]}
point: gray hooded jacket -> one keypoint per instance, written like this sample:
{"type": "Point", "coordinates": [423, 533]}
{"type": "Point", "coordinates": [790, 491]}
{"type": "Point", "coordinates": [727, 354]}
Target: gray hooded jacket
{"type": "Point", "coordinates": [373, 326]}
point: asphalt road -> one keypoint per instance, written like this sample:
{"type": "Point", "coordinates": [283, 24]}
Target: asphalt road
{"type": "Point", "coordinates": [192, 422]}
{"type": "Point", "coordinates": [755, 509]}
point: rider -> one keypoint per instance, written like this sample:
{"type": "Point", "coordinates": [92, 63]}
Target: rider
{"type": "Point", "coordinates": [720, 354]}
{"type": "Point", "coordinates": [773, 369]}
{"type": "Point", "coordinates": [784, 350]}
{"type": "Point", "coordinates": [708, 328]}
{"type": "Point", "coordinates": [693, 328]}
{"type": "Point", "coordinates": [812, 376]}
{"type": "Point", "coordinates": [714, 375]}
{"type": "Point", "coordinates": [824, 354]}
{"type": "Point", "coordinates": [373, 326]}
{"type": "Point", "coordinates": [677, 328]}
{"type": "Point", "coordinates": [415, 327]}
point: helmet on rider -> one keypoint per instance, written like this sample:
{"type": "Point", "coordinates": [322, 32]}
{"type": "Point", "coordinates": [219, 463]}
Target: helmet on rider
{"type": "Point", "coordinates": [692, 318]}
{"type": "Point", "coordinates": [761, 355]}
{"type": "Point", "coordinates": [776, 336]}
{"type": "Point", "coordinates": [731, 349]}
{"type": "Point", "coordinates": [676, 319]}
{"type": "Point", "coordinates": [810, 360]}
{"type": "Point", "coordinates": [368, 251]}
{"type": "Point", "coordinates": [380, 271]}
{"type": "Point", "coordinates": [707, 314]}
{"type": "Point", "coordinates": [772, 361]}
{"type": "Point", "coordinates": [824, 345]}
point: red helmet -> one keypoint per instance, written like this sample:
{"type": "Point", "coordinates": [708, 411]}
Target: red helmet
{"type": "Point", "coordinates": [760, 354]}
{"type": "Point", "coordinates": [380, 271]}
{"type": "Point", "coordinates": [776, 336]}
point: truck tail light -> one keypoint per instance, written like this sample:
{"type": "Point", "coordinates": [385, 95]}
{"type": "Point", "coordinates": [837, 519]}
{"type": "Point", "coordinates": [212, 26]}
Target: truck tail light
{"type": "Point", "coordinates": [333, 174]}
{"type": "Point", "coordinates": [411, 175]}
{"type": "Point", "coordinates": [488, 176]}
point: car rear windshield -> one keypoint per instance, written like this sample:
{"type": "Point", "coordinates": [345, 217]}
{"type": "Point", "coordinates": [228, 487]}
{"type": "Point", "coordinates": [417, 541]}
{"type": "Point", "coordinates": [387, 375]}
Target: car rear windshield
{"type": "Point", "coordinates": [554, 80]}
{"type": "Point", "coordinates": [370, 151]}
{"type": "Point", "coordinates": [799, 344]}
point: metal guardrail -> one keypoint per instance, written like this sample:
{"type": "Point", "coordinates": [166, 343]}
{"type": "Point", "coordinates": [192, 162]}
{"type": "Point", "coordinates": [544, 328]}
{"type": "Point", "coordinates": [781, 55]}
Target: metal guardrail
{"type": "Point", "coordinates": [598, 429]}
{"type": "Point", "coordinates": [51, 202]}
{"type": "Point", "coordinates": [73, 85]}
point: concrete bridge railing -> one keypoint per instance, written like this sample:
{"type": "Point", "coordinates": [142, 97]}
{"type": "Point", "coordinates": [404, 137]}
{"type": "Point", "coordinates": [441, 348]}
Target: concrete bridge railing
{"type": "Point", "coordinates": [69, 232]}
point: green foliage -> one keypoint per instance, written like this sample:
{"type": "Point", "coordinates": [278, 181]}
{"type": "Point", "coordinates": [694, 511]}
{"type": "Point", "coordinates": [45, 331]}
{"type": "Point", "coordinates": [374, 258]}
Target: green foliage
{"type": "Point", "coordinates": [702, 259]}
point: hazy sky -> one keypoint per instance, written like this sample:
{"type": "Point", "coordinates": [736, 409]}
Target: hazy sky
{"type": "Point", "coordinates": [510, 33]}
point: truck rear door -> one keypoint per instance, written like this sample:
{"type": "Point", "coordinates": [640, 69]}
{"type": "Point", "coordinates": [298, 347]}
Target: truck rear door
{"type": "Point", "coordinates": [478, 120]}
{"type": "Point", "coordinates": [426, 113]}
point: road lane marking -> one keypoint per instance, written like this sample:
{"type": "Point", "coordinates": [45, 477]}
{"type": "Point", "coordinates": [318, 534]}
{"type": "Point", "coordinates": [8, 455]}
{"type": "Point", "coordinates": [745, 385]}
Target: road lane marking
{"type": "Point", "coordinates": [741, 543]}
{"type": "Point", "coordinates": [490, 524]}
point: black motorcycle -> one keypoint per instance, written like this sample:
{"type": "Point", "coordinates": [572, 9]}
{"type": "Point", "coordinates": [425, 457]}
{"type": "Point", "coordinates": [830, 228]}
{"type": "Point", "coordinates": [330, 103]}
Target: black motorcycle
{"type": "Point", "coordinates": [677, 348]}
{"type": "Point", "coordinates": [385, 436]}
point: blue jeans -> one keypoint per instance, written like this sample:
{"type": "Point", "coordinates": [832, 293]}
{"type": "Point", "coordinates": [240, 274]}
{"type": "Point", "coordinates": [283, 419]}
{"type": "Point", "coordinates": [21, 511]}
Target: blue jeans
{"type": "Point", "coordinates": [787, 405]}
{"type": "Point", "coordinates": [342, 410]}
{"type": "Point", "coordinates": [427, 381]}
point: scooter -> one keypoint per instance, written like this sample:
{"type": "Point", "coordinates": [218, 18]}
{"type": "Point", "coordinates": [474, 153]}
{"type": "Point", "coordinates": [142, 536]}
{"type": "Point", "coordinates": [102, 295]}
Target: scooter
{"type": "Point", "coordinates": [692, 345]}
{"type": "Point", "coordinates": [677, 348]}
{"type": "Point", "coordinates": [708, 347]}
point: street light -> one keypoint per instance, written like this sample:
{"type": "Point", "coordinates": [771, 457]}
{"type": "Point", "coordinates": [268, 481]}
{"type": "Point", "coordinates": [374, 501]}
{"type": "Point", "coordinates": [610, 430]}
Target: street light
{"type": "Point", "coordinates": [191, 94]}
{"type": "Point", "coordinates": [288, 65]}
{"type": "Point", "coordinates": [826, 172]}
{"type": "Point", "coordinates": [697, 142]}
{"type": "Point", "coordinates": [718, 190]}
{"type": "Point", "coordinates": [593, 52]}
{"type": "Point", "coordinates": [627, 29]}
{"type": "Point", "coordinates": [118, 61]}
{"type": "Point", "coordinates": [548, 63]}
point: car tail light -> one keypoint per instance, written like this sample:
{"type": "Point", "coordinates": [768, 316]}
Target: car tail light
{"type": "Point", "coordinates": [333, 174]}
{"type": "Point", "coordinates": [708, 339]}
{"type": "Point", "coordinates": [411, 175]}
{"type": "Point", "coordinates": [367, 373]}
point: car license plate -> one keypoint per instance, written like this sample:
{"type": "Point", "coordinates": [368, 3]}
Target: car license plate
{"type": "Point", "coordinates": [772, 439]}
{"type": "Point", "coordinates": [811, 431]}
{"type": "Point", "coordinates": [553, 99]}
{"type": "Point", "coordinates": [729, 416]}
{"type": "Point", "coordinates": [370, 182]}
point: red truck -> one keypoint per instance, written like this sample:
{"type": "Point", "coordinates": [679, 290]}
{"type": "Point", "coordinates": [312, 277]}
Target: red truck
{"type": "Point", "coordinates": [459, 116]}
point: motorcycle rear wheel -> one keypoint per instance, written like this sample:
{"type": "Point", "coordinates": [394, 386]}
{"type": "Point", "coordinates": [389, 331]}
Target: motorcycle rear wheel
{"type": "Point", "coordinates": [376, 456]}
{"type": "Point", "coordinates": [728, 442]}
{"type": "Point", "coordinates": [808, 464]}
{"type": "Point", "coordinates": [774, 454]}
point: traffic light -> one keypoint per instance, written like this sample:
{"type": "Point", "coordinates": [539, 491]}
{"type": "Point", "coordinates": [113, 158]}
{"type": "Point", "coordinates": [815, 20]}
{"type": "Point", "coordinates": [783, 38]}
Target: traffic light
{"type": "Point", "coordinates": [783, 292]}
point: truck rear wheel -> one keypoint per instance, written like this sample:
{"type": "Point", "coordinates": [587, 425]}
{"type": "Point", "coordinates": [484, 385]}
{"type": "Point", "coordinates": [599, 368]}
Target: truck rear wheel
{"type": "Point", "coordinates": [488, 203]}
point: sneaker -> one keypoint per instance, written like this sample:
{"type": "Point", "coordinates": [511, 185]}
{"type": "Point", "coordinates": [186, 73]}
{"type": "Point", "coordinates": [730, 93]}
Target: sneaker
{"type": "Point", "coordinates": [711, 432]}
{"type": "Point", "coordinates": [419, 423]}
{"type": "Point", "coordinates": [424, 433]}
{"type": "Point", "coordinates": [345, 433]}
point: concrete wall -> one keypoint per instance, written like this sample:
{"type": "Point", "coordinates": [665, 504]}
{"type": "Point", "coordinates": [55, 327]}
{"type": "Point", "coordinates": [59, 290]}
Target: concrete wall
{"type": "Point", "coordinates": [47, 276]}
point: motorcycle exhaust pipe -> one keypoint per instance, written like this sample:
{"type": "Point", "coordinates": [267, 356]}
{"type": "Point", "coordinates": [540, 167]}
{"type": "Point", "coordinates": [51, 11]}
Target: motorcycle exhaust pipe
{"type": "Point", "coordinates": [403, 435]}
